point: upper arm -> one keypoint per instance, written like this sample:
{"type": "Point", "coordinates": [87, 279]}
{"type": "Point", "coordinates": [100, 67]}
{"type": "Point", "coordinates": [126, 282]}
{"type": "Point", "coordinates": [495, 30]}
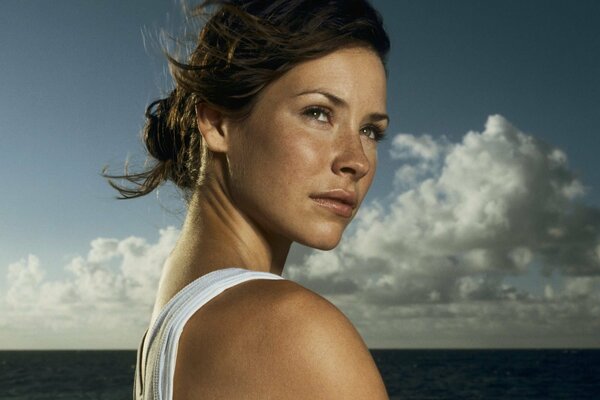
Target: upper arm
{"type": "Point", "coordinates": [277, 340]}
{"type": "Point", "coordinates": [326, 357]}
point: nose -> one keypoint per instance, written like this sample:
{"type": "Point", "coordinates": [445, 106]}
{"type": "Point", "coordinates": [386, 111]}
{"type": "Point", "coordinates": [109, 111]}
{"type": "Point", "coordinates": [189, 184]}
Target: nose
{"type": "Point", "coordinates": [351, 159]}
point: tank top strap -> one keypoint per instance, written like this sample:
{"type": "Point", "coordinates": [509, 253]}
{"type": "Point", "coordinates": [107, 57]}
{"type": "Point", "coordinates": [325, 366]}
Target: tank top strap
{"type": "Point", "coordinates": [154, 379]}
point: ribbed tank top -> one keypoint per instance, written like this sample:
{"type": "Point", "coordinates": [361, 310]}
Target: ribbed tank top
{"type": "Point", "coordinates": [155, 380]}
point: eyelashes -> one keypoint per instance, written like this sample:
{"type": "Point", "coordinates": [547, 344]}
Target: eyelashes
{"type": "Point", "coordinates": [376, 133]}
{"type": "Point", "coordinates": [316, 113]}
{"type": "Point", "coordinates": [324, 115]}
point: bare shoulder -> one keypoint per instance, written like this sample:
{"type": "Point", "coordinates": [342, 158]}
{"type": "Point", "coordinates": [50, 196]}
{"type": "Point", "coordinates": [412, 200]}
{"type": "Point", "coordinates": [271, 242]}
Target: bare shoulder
{"type": "Point", "coordinates": [325, 354]}
{"type": "Point", "coordinates": [274, 340]}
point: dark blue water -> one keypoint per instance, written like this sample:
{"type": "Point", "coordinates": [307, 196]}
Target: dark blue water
{"type": "Point", "coordinates": [490, 374]}
{"type": "Point", "coordinates": [408, 374]}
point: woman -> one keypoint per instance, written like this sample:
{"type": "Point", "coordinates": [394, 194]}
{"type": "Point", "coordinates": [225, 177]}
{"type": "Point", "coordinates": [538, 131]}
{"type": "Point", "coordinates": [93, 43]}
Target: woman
{"type": "Point", "coordinates": [271, 132]}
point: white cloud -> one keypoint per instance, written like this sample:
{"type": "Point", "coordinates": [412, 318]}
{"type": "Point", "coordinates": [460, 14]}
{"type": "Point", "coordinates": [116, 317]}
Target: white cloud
{"type": "Point", "coordinates": [105, 301]}
{"type": "Point", "coordinates": [483, 242]}
{"type": "Point", "coordinates": [420, 157]}
{"type": "Point", "coordinates": [24, 277]}
{"type": "Point", "coordinates": [463, 218]}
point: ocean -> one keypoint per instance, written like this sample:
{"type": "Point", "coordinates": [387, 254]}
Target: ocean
{"type": "Point", "coordinates": [408, 374]}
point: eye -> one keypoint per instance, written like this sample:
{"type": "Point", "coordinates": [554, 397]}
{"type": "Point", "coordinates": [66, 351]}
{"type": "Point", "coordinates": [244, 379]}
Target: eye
{"type": "Point", "coordinates": [320, 114]}
{"type": "Point", "coordinates": [373, 132]}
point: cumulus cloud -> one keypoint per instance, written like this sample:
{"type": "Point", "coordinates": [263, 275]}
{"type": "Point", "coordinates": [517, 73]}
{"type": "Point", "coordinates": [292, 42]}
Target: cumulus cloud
{"type": "Point", "coordinates": [105, 299]}
{"type": "Point", "coordinates": [482, 242]}
{"type": "Point", "coordinates": [464, 222]}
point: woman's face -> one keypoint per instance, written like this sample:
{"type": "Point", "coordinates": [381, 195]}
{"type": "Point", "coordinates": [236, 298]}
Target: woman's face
{"type": "Point", "coordinates": [300, 165]}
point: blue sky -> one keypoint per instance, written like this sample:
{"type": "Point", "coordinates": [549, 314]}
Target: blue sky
{"type": "Point", "coordinates": [76, 77]}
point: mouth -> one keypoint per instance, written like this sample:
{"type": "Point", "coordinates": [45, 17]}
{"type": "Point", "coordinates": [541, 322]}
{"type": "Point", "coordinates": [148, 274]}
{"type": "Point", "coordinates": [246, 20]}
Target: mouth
{"type": "Point", "coordinates": [339, 201]}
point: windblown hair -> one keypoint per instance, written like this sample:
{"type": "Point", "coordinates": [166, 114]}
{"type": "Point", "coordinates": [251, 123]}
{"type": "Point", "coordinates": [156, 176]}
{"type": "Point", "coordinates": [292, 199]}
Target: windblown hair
{"type": "Point", "coordinates": [243, 46]}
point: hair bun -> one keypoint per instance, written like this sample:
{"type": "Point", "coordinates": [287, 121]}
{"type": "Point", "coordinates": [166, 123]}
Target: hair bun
{"type": "Point", "coordinates": [161, 141]}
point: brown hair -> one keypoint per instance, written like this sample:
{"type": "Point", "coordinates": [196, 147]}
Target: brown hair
{"type": "Point", "coordinates": [244, 45]}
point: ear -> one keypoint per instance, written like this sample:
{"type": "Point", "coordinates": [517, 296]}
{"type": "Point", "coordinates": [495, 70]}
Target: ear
{"type": "Point", "coordinates": [212, 128]}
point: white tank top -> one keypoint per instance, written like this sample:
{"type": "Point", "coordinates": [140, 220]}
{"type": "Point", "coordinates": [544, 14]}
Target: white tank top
{"type": "Point", "coordinates": [154, 380]}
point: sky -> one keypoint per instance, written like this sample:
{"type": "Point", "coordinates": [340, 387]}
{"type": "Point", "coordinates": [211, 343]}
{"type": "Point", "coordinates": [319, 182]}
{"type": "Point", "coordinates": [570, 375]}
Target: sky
{"type": "Point", "coordinates": [481, 230]}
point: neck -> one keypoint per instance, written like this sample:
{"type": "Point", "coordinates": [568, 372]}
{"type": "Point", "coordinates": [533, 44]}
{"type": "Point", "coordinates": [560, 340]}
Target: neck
{"type": "Point", "coordinates": [217, 235]}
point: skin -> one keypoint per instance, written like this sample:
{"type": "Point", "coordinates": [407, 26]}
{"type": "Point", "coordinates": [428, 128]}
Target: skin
{"type": "Point", "coordinates": [310, 131]}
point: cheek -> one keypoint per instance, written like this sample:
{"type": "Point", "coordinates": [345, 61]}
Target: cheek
{"type": "Point", "coordinates": [291, 154]}
{"type": "Point", "coordinates": [365, 182]}
{"type": "Point", "coordinates": [300, 155]}
{"type": "Point", "coordinates": [373, 160]}
{"type": "Point", "coordinates": [280, 159]}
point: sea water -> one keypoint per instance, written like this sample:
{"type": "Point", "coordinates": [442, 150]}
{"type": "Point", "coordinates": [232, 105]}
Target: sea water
{"type": "Point", "coordinates": [408, 374]}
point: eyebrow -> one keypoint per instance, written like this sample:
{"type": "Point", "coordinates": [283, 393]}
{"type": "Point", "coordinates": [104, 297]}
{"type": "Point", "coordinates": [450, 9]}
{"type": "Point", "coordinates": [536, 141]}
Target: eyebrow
{"type": "Point", "coordinates": [338, 101]}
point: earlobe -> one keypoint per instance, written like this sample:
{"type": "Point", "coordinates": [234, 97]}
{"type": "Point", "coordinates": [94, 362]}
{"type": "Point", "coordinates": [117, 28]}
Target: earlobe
{"type": "Point", "coordinates": [211, 127]}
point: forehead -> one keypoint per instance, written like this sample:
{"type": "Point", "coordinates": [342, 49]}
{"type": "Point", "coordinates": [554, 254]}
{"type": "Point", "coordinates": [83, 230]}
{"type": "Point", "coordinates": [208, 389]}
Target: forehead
{"type": "Point", "coordinates": [355, 74]}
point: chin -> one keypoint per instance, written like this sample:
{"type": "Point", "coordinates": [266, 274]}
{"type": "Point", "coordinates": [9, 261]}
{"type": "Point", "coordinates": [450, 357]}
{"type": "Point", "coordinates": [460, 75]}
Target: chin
{"type": "Point", "coordinates": [322, 239]}
{"type": "Point", "coordinates": [323, 245]}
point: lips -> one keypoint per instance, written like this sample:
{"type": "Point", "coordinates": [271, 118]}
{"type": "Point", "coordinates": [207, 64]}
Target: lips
{"type": "Point", "coordinates": [339, 201]}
